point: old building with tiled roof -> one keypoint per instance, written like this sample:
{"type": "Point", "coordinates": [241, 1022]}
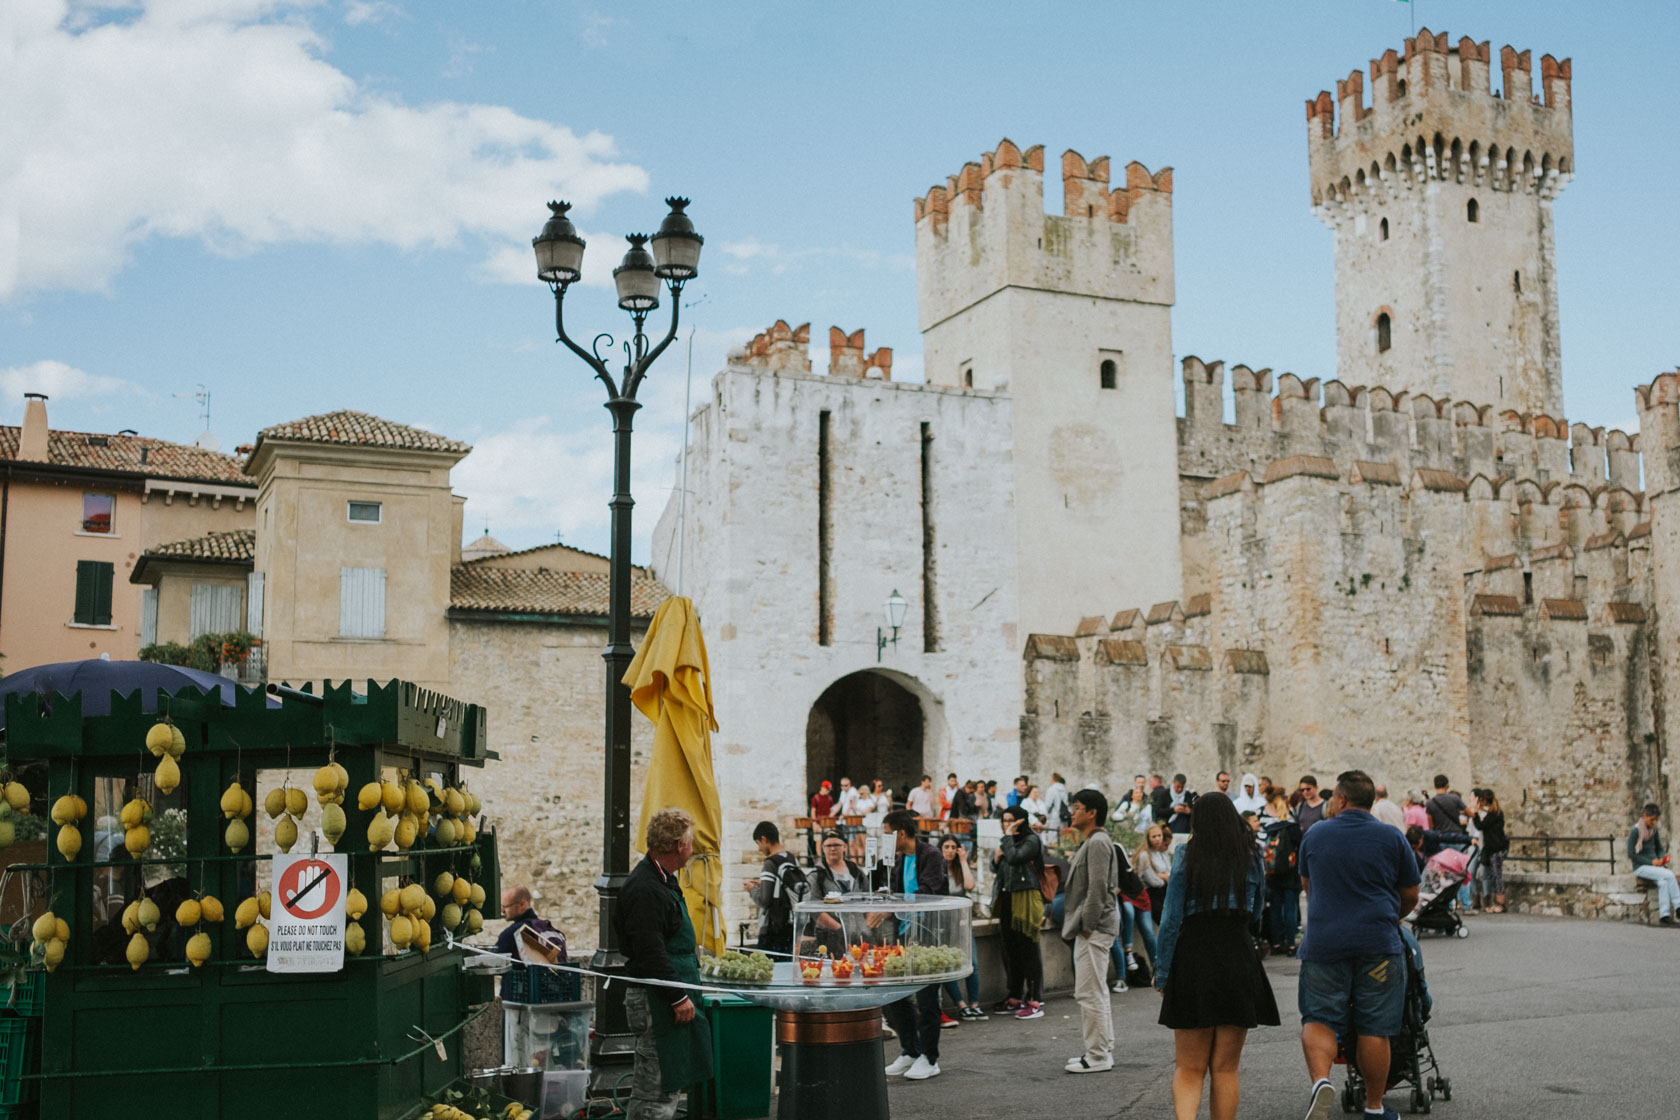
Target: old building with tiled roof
{"type": "Point", "coordinates": [537, 593]}
{"type": "Point", "coordinates": [78, 511]}
{"type": "Point", "coordinates": [360, 429]}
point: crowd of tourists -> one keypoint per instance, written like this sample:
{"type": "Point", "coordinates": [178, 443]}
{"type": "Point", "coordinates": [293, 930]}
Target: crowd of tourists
{"type": "Point", "coordinates": [1213, 884]}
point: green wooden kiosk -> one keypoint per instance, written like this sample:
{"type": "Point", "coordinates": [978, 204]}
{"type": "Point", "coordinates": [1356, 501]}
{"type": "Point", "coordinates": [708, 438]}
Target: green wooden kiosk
{"type": "Point", "coordinates": [230, 1038]}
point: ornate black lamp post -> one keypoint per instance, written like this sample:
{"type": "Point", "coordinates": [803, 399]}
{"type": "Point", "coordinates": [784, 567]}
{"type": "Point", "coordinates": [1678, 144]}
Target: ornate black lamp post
{"type": "Point", "coordinates": [675, 260]}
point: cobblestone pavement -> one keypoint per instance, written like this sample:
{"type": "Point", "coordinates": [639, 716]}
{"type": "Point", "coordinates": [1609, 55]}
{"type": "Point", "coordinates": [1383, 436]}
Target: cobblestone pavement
{"type": "Point", "coordinates": [1534, 1018]}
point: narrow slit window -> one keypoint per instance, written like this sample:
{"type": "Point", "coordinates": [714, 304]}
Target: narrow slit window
{"type": "Point", "coordinates": [1108, 375]}
{"type": "Point", "coordinates": [1382, 230]}
{"type": "Point", "coordinates": [968, 377]}
{"type": "Point", "coordinates": [825, 533]}
{"type": "Point", "coordinates": [1516, 281]}
{"type": "Point", "coordinates": [1385, 333]}
{"type": "Point", "coordinates": [1473, 210]}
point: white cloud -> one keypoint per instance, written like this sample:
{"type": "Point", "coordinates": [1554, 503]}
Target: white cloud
{"type": "Point", "coordinates": [779, 260]}
{"type": "Point", "coordinates": [60, 382]}
{"type": "Point", "coordinates": [358, 12]}
{"type": "Point", "coordinates": [221, 120]}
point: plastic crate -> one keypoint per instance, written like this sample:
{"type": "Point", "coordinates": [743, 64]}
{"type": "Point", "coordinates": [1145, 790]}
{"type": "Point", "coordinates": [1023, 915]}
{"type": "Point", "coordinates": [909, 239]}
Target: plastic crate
{"type": "Point", "coordinates": [19, 1046]}
{"type": "Point", "coordinates": [27, 998]}
{"type": "Point", "coordinates": [541, 985]}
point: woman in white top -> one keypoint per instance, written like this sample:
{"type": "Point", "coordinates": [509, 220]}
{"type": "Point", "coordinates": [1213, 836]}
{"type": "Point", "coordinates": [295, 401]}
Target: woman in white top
{"type": "Point", "coordinates": [1134, 808]}
{"type": "Point", "coordinates": [1033, 805]}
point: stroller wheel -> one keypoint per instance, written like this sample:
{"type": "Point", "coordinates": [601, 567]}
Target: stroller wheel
{"type": "Point", "coordinates": [1463, 930]}
{"type": "Point", "coordinates": [1420, 1101]}
{"type": "Point", "coordinates": [1445, 1086]}
{"type": "Point", "coordinates": [1350, 1100]}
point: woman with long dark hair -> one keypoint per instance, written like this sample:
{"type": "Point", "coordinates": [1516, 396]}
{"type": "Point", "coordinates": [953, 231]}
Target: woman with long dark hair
{"type": "Point", "coordinates": [1490, 820]}
{"type": "Point", "coordinates": [1019, 908]}
{"type": "Point", "coordinates": [1207, 970]}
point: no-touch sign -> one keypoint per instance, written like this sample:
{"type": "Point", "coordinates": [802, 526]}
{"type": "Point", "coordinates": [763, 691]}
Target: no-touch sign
{"type": "Point", "coordinates": [306, 932]}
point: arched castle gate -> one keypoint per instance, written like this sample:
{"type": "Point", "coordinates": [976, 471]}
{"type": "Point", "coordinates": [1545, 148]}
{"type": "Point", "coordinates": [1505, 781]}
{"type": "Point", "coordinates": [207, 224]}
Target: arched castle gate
{"type": "Point", "coordinates": [875, 723]}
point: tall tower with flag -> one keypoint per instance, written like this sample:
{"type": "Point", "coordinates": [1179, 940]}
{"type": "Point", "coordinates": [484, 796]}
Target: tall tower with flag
{"type": "Point", "coordinates": [1440, 192]}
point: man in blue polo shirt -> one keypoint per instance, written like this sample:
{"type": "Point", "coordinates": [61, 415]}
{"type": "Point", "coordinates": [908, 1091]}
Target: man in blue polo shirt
{"type": "Point", "coordinates": [1361, 880]}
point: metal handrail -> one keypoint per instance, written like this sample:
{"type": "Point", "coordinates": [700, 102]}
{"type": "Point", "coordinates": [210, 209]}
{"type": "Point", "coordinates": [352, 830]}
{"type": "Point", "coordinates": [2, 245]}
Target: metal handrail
{"type": "Point", "coordinates": [1548, 858]}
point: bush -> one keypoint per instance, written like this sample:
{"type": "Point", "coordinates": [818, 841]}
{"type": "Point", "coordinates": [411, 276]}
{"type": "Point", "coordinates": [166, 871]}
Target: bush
{"type": "Point", "coordinates": [208, 652]}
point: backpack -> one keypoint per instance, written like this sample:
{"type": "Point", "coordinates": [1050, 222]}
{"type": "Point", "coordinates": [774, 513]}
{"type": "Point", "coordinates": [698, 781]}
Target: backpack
{"type": "Point", "coordinates": [789, 886]}
{"type": "Point", "coordinates": [1049, 881]}
{"type": "Point", "coordinates": [1282, 847]}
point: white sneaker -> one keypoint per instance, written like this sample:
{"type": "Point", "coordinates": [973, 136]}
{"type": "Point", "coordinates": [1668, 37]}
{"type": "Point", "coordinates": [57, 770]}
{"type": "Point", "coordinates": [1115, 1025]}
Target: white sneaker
{"type": "Point", "coordinates": [922, 1070]}
{"type": "Point", "coordinates": [901, 1065]}
{"type": "Point", "coordinates": [1082, 1064]}
{"type": "Point", "coordinates": [1320, 1101]}
{"type": "Point", "coordinates": [1121, 987]}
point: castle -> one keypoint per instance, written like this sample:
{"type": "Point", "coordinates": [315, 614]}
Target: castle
{"type": "Point", "coordinates": [1417, 566]}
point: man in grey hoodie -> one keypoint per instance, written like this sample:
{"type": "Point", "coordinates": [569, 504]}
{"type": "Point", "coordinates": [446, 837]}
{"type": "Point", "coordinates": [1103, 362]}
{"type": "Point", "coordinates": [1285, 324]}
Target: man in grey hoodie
{"type": "Point", "coordinates": [1090, 924]}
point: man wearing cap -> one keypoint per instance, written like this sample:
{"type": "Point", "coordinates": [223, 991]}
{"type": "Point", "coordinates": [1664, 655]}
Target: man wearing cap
{"type": "Point", "coordinates": [822, 805]}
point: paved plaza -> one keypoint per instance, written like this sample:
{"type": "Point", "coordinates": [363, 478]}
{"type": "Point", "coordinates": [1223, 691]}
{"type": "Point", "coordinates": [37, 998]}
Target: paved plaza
{"type": "Point", "coordinates": [1535, 1018]}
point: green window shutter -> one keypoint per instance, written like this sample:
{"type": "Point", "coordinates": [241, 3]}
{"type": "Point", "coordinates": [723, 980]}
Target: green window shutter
{"type": "Point", "coordinates": [84, 591]}
{"type": "Point", "coordinates": [103, 577]}
{"type": "Point", "coordinates": [93, 592]}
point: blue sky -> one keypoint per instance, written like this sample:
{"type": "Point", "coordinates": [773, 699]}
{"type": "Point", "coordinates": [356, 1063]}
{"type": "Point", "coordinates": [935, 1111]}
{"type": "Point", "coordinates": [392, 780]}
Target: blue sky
{"type": "Point", "coordinates": [305, 205]}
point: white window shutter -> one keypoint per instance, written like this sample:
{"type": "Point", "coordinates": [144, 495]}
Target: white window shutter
{"type": "Point", "coordinates": [148, 616]}
{"type": "Point", "coordinates": [361, 602]}
{"type": "Point", "coordinates": [254, 603]}
{"type": "Point", "coordinates": [215, 608]}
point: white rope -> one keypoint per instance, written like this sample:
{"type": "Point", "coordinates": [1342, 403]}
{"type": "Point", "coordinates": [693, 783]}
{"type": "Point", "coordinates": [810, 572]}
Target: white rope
{"type": "Point", "coordinates": [605, 977]}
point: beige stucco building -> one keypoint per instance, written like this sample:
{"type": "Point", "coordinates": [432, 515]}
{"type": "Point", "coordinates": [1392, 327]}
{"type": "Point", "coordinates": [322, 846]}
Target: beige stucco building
{"type": "Point", "coordinates": [77, 511]}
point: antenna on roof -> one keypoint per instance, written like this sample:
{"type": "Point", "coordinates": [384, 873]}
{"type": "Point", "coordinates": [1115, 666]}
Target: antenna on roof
{"type": "Point", "coordinates": [205, 439]}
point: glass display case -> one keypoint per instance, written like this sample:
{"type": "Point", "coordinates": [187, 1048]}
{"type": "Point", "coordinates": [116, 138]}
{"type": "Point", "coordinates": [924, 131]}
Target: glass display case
{"type": "Point", "coordinates": [865, 939]}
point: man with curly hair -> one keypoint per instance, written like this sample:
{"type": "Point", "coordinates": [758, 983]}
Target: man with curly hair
{"type": "Point", "coordinates": [673, 1043]}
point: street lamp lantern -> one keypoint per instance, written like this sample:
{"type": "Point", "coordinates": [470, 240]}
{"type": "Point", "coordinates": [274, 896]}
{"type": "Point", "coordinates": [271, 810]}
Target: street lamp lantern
{"type": "Point", "coordinates": [676, 247]}
{"type": "Point", "coordinates": [558, 247]}
{"type": "Point", "coordinates": [636, 279]}
{"type": "Point", "coordinates": [674, 260]}
{"type": "Point", "coordinates": [896, 607]}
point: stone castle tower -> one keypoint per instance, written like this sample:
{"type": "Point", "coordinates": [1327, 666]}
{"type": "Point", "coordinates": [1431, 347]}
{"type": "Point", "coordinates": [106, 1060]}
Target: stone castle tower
{"type": "Point", "coordinates": [1440, 194]}
{"type": "Point", "coordinates": [1071, 315]}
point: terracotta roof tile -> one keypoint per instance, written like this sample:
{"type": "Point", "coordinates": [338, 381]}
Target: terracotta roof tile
{"type": "Point", "coordinates": [1116, 651]}
{"type": "Point", "coordinates": [1198, 605]}
{"type": "Point", "coordinates": [1385, 474]}
{"type": "Point", "coordinates": [1500, 563]}
{"type": "Point", "coordinates": [1163, 612]}
{"type": "Point", "coordinates": [1051, 647]}
{"type": "Point", "coordinates": [1190, 657]}
{"type": "Point", "coordinates": [1247, 661]}
{"type": "Point", "coordinates": [236, 546]}
{"type": "Point", "coordinates": [1228, 484]}
{"type": "Point", "coordinates": [1643, 529]}
{"type": "Point", "coordinates": [1550, 552]}
{"type": "Point", "coordinates": [1564, 610]}
{"type": "Point", "coordinates": [1125, 620]}
{"type": "Point", "coordinates": [1604, 540]}
{"type": "Point", "coordinates": [1314, 466]}
{"type": "Point", "coordinates": [359, 429]}
{"type": "Point", "coordinates": [152, 458]}
{"type": "Point", "coordinates": [1625, 612]}
{"type": "Point", "coordinates": [1442, 482]}
{"type": "Point", "coordinates": [483, 590]}
{"type": "Point", "coordinates": [1496, 605]}
{"type": "Point", "coordinates": [1090, 625]}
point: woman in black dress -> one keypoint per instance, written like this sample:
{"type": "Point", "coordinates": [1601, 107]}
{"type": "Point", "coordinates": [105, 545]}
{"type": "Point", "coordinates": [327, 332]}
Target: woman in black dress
{"type": "Point", "coordinates": [1212, 985]}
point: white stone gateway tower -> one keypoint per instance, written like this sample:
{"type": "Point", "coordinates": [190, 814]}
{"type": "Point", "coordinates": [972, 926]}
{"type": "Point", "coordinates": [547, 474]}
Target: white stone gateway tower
{"type": "Point", "coordinates": [1071, 315]}
{"type": "Point", "coordinates": [1440, 197]}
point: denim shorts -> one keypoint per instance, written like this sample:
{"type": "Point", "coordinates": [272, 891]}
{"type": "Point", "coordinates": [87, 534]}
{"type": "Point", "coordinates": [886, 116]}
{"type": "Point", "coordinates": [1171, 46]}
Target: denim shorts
{"type": "Point", "coordinates": [1370, 989]}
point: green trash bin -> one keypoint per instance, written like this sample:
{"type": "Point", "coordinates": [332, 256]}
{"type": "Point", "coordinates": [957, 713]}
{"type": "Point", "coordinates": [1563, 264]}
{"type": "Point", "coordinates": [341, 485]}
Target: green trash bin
{"type": "Point", "coordinates": [742, 1041]}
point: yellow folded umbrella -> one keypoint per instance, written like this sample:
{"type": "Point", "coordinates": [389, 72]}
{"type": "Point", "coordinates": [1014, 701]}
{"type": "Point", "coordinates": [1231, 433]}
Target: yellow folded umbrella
{"type": "Point", "coordinates": [670, 682]}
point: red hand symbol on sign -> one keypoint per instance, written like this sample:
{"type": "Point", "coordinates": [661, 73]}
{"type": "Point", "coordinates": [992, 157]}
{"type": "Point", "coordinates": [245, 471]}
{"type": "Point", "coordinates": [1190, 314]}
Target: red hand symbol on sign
{"type": "Point", "coordinates": [308, 889]}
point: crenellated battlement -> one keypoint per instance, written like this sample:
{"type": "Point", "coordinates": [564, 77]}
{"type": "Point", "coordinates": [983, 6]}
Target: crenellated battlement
{"type": "Point", "coordinates": [985, 229]}
{"type": "Point", "coordinates": [1659, 428]}
{"type": "Point", "coordinates": [1433, 116]}
{"type": "Point", "coordinates": [1350, 424]}
{"type": "Point", "coordinates": [786, 349]}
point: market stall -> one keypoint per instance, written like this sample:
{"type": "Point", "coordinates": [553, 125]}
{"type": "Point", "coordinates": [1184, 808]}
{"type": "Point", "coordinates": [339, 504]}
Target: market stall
{"type": "Point", "coordinates": [247, 901]}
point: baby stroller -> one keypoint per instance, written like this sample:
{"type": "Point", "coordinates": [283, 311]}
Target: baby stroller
{"type": "Point", "coordinates": [1447, 871]}
{"type": "Point", "coordinates": [1411, 1060]}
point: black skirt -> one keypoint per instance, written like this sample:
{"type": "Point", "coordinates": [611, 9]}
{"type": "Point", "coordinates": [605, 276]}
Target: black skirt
{"type": "Point", "coordinates": [1216, 978]}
